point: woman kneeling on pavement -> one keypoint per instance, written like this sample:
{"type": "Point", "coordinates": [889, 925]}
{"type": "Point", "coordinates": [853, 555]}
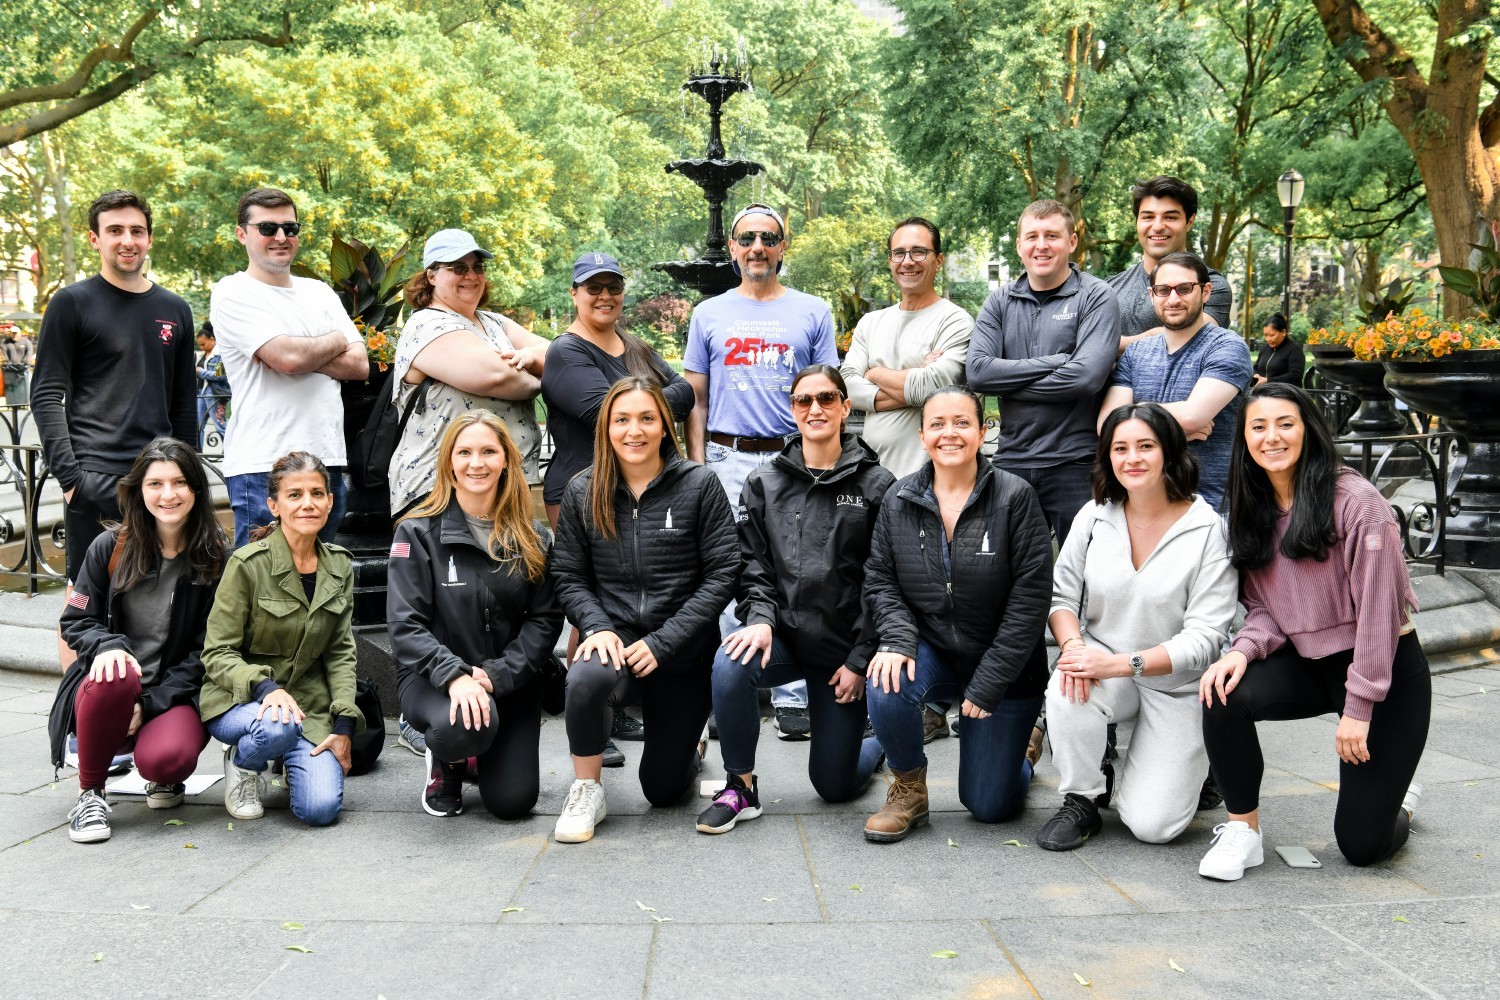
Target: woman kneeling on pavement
{"type": "Point", "coordinates": [1328, 628]}
{"type": "Point", "coordinates": [473, 619]}
{"type": "Point", "coordinates": [804, 537]}
{"type": "Point", "coordinates": [136, 619]}
{"type": "Point", "coordinates": [279, 656]}
{"type": "Point", "coordinates": [644, 561]}
{"type": "Point", "coordinates": [958, 582]}
{"type": "Point", "coordinates": [1142, 600]}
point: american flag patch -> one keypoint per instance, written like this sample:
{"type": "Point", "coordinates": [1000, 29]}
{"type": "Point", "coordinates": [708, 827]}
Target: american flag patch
{"type": "Point", "coordinates": [400, 550]}
{"type": "Point", "coordinates": [79, 600]}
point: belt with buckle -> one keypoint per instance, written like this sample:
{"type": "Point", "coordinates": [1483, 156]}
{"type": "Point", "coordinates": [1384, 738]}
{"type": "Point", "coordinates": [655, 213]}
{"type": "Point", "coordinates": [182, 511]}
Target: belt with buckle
{"type": "Point", "coordinates": [747, 443]}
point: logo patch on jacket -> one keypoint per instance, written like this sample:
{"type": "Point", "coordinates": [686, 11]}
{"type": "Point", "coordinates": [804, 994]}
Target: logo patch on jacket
{"type": "Point", "coordinates": [1065, 315]}
{"type": "Point", "coordinates": [400, 550]}
{"type": "Point", "coordinates": [667, 525]}
{"type": "Point", "coordinates": [850, 500]}
{"type": "Point", "coordinates": [79, 600]}
{"type": "Point", "coordinates": [984, 546]}
{"type": "Point", "coordinates": [453, 580]}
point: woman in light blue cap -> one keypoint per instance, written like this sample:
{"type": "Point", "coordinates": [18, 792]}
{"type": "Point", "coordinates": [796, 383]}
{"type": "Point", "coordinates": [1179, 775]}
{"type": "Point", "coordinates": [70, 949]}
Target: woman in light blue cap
{"type": "Point", "coordinates": [462, 357]}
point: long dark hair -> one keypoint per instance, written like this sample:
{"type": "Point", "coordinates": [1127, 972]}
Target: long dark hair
{"type": "Point", "coordinates": [640, 357]}
{"type": "Point", "coordinates": [607, 463]}
{"type": "Point", "coordinates": [1252, 499]}
{"type": "Point", "coordinates": [289, 464]}
{"type": "Point", "coordinates": [1179, 468]}
{"type": "Point", "coordinates": [203, 540]}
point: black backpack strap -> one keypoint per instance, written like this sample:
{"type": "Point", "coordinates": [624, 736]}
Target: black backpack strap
{"type": "Point", "coordinates": [418, 395]}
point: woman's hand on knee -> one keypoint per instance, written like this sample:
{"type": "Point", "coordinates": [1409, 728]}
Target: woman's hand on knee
{"type": "Point", "coordinates": [886, 667]}
{"type": "Point", "coordinates": [111, 665]}
{"type": "Point", "coordinates": [743, 644]}
{"type": "Point", "coordinates": [640, 658]}
{"type": "Point", "coordinates": [342, 748]}
{"type": "Point", "coordinates": [282, 707]}
{"type": "Point", "coordinates": [847, 685]}
{"type": "Point", "coordinates": [1074, 688]}
{"type": "Point", "coordinates": [467, 698]}
{"type": "Point", "coordinates": [1352, 740]}
{"type": "Point", "coordinates": [1223, 676]}
{"type": "Point", "coordinates": [606, 645]}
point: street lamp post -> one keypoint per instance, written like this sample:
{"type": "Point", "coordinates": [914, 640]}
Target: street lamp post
{"type": "Point", "coordinates": [1289, 187]}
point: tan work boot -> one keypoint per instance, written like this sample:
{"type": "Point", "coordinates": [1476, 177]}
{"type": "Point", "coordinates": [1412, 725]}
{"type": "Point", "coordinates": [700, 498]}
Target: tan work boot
{"type": "Point", "coordinates": [905, 808]}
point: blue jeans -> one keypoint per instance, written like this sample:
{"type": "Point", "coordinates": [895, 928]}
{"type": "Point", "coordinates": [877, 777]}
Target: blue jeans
{"type": "Point", "coordinates": [993, 772]}
{"type": "Point", "coordinates": [247, 498]}
{"type": "Point", "coordinates": [316, 783]}
{"type": "Point", "coordinates": [839, 762]}
{"type": "Point", "coordinates": [1062, 490]}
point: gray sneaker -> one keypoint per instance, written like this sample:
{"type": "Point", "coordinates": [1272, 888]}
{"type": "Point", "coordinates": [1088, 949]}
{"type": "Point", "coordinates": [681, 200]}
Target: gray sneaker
{"type": "Point", "coordinates": [160, 796]}
{"type": "Point", "coordinates": [88, 823]}
{"type": "Point", "coordinates": [241, 789]}
{"type": "Point", "coordinates": [411, 737]}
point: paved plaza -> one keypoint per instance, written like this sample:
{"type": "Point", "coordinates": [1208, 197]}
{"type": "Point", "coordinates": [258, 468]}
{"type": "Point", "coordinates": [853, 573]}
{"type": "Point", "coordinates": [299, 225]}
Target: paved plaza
{"type": "Point", "coordinates": [391, 902]}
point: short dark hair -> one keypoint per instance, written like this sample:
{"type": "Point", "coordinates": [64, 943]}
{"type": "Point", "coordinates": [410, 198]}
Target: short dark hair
{"type": "Point", "coordinates": [1183, 258]}
{"type": "Point", "coordinates": [1162, 186]}
{"type": "Point", "coordinates": [917, 220]}
{"type": "Point", "coordinates": [111, 200]}
{"type": "Point", "coordinates": [1179, 468]}
{"type": "Point", "coordinates": [1046, 208]}
{"type": "Point", "coordinates": [1276, 321]}
{"type": "Point", "coordinates": [265, 198]}
{"type": "Point", "coordinates": [954, 389]}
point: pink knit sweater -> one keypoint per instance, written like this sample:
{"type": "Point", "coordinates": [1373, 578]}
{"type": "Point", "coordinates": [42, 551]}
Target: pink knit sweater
{"type": "Point", "coordinates": [1358, 598]}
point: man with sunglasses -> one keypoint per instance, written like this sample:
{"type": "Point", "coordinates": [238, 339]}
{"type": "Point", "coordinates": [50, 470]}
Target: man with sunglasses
{"type": "Point", "coordinates": [1196, 369]}
{"type": "Point", "coordinates": [286, 342]}
{"type": "Point", "coordinates": [744, 347]}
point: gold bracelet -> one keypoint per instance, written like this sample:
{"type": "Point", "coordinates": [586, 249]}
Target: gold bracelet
{"type": "Point", "coordinates": [1068, 643]}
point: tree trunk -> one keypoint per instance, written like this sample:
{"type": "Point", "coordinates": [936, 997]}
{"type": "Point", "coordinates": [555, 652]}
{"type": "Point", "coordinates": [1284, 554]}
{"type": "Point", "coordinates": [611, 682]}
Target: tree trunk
{"type": "Point", "coordinates": [55, 161]}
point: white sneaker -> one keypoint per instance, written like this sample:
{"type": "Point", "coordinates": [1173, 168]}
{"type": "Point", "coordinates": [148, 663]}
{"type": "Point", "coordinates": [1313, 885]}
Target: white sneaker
{"type": "Point", "coordinates": [1409, 803]}
{"type": "Point", "coordinates": [583, 811]}
{"type": "Point", "coordinates": [1236, 847]}
{"type": "Point", "coordinates": [241, 789]}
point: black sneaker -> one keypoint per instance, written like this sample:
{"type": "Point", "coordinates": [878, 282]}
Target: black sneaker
{"type": "Point", "coordinates": [934, 724]}
{"type": "Point", "coordinates": [793, 724]}
{"type": "Point", "coordinates": [627, 726]}
{"type": "Point", "coordinates": [88, 823]}
{"type": "Point", "coordinates": [443, 794]}
{"type": "Point", "coordinates": [612, 755]}
{"type": "Point", "coordinates": [955, 727]}
{"type": "Point", "coordinates": [713, 728]}
{"type": "Point", "coordinates": [733, 804]}
{"type": "Point", "coordinates": [1209, 797]}
{"type": "Point", "coordinates": [1070, 826]}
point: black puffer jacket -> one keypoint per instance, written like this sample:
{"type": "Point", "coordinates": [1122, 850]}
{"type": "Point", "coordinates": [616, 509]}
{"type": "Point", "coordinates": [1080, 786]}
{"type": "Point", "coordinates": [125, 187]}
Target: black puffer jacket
{"type": "Point", "coordinates": [804, 541]}
{"type": "Point", "coordinates": [986, 616]}
{"type": "Point", "coordinates": [451, 606]}
{"type": "Point", "coordinates": [671, 569]}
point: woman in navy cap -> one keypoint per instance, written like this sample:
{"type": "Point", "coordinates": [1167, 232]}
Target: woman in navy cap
{"type": "Point", "coordinates": [591, 355]}
{"type": "Point", "coordinates": [474, 359]}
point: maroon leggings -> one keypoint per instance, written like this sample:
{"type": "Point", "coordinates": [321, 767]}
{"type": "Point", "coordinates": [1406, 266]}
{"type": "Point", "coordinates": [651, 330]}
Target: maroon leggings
{"type": "Point", "coordinates": [166, 747]}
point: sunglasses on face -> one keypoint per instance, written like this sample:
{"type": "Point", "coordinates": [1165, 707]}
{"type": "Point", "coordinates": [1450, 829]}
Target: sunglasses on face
{"type": "Point", "coordinates": [268, 229]}
{"type": "Point", "coordinates": [826, 399]}
{"type": "Point", "coordinates": [767, 240]}
{"type": "Point", "coordinates": [601, 288]}
{"type": "Point", "coordinates": [1183, 289]}
{"type": "Point", "coordinates": [460, 270]}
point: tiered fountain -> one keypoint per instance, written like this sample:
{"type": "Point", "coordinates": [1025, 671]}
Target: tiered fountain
{"type": "Point", "coordinates": [715, 174]}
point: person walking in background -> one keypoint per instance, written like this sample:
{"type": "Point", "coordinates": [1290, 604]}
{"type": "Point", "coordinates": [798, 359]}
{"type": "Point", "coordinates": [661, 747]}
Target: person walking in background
{"type": "Point", "coordinates": [213, 392]}
{"type": "Point", "coordinates": [1280, 358]}
{"type": "Point", "coordinates": [286, 343]}
{"type": "Point", "coordinates": [18, 351]}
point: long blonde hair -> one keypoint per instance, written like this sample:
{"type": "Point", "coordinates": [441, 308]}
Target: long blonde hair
{"type": "Point", "coordinates": [514, 531]}
{"type": "Point", "coordinates": [607, 463]}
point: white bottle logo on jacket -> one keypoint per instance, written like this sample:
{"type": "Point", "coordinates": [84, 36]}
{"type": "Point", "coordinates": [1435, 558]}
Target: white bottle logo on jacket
{"type": "Point", "coordinates": [452, 571]}
{"type": "Point", "coordinates": [668, 525]}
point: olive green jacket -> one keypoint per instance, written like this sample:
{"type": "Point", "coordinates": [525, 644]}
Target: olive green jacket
{"type": "Point", "coordinates": [262, 627]}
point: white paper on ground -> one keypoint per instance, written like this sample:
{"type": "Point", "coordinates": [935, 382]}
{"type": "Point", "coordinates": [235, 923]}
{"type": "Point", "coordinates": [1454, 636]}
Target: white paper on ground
{"type": "Point", "coordinates": [708, 788]}
{"type": "Point", "coordinates": [134, 784]}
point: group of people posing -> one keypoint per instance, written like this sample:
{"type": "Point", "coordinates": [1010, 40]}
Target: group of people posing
{"type": "Point", "coordinates": [875, 579]}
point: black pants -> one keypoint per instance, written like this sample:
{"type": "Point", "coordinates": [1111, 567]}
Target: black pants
{"type": "Point", "coordinates": [509, 765]}
{"type": "Point", "coordinates": [1369, 823]}
{"type": "Point", "coordinates": [674, 710]}
{"type": "Point", "coordinates": [94, 502]}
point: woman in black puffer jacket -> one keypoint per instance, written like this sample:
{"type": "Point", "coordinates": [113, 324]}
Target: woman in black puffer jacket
{"type": "Point", "coordinates": [959, 584]}
{"type": "Point", "coordinates": [645, 559]}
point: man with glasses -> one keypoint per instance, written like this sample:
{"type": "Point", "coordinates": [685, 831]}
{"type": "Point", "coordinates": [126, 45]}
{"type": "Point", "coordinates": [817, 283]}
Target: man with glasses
{"type": "Point", "coordinates": [902, 354]}
{"type": "Point", "coordinates": [1197, 369]}
{"type": "Point", "coordinates": [1165, 208]}
{"type": "Point", "coordinates": [1045, 344]}
{"type": "Point", "coordinates": [285, 342]}
{"type": "Point", "coordinates": [743, 349]}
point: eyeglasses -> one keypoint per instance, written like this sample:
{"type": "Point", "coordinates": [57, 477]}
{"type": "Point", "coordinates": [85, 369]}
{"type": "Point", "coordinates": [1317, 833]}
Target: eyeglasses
{"type": "Point", "coordinates": [601, 288]}
{"type": "Point", "coordinates": [826, 399]}
{"type": "Point", "coordinates": [268, 229]}
{"type": "Point", "coordinates": [460, 270]}
{"type": "Point", "coordinates": [1182, 289]}
{"type": "Point", "coordinates": [916, 254]}
{"type": "Point", "coordinates": [767, 240]}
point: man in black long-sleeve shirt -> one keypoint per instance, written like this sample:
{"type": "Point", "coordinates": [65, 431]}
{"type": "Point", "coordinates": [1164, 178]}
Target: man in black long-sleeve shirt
{"type": "Point", "coordinates": [114, 369]}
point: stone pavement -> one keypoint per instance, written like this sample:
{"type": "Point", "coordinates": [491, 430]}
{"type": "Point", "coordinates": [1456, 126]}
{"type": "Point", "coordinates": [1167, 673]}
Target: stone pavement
{"type": "Point", "coordinates": [392, 902]}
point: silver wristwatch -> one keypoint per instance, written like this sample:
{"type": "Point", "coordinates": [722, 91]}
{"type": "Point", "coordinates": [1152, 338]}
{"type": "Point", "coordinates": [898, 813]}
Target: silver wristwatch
{"type": "Point", "coordinates": [1137, 664]}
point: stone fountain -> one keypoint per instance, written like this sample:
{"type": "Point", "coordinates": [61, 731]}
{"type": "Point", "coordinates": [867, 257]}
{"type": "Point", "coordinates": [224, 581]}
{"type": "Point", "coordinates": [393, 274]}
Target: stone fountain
{"type": "Point", "coordinates": [712, 273]}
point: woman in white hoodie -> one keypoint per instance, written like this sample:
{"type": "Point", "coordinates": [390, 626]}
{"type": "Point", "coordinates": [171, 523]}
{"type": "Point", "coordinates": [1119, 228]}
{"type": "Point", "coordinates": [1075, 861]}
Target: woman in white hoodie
{"type": "Point", "coordinates": [1142, 600]}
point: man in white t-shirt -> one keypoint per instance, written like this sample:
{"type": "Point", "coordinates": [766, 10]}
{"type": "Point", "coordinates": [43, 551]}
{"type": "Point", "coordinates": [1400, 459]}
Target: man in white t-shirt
{"type": "Point", "coordinates": [285, 343]}
{"type": "Point", "coordinates": [901, 355]}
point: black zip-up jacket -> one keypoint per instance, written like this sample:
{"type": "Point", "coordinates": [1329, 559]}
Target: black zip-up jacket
{"type": "Point", "coordinates": [93, 628]}
{"type": "Point", "coordinates": [986, 615]}
{"type": "Point", "coordinates": [451, 606]}
{"type": "Point", "coordinates": [673, 566]}
{"type": "Point", "coordinates": [804, 541]}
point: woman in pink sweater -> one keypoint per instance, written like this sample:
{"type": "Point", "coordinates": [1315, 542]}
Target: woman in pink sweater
{"type": "Point", "coordinates": [1327, 629]}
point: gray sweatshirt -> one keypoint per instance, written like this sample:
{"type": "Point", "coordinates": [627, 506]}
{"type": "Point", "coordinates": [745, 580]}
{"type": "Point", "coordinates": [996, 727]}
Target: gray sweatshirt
{"type": "Point", "coordinates": [1183, 597]}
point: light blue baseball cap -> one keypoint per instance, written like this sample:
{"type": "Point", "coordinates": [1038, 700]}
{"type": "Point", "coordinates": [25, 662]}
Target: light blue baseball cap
{"type": "Point", "coordinates": [448, 245]}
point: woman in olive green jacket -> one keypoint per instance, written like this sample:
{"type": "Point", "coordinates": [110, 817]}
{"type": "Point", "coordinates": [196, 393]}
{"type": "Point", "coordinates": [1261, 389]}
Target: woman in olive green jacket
{"type": "Point", "coordinates": [279, 654]}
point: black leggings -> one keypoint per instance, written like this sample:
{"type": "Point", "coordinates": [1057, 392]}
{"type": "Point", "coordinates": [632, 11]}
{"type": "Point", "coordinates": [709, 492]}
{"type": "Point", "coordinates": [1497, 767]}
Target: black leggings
{"type": "Point", "coordinates": [1369, 823]}
{"type": "Point", "coordinates": [674, 710]}
{"type": "Point", "coordinates": [509, 765]}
